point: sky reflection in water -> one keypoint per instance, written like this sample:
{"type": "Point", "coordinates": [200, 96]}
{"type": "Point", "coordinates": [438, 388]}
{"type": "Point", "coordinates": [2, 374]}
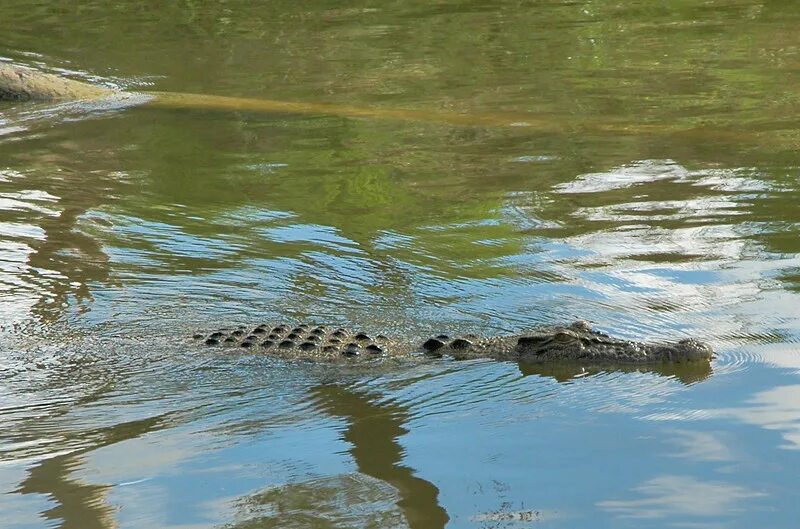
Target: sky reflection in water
{"type": "Point", "coordinates": [652, 191]}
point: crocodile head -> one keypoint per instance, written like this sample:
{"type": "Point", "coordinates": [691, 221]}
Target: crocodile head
{"type": "Point", "coordinates": [579, 341]}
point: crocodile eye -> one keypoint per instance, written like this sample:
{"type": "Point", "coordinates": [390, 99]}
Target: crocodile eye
{"type": "Point", "coordinates": [531, 341]}
{"type": "Point", "coordinates": [563, 337]}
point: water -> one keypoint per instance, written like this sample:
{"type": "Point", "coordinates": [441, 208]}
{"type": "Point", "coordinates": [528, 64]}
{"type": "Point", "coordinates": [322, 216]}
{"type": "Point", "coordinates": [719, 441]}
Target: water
{"type": "Point", "coordinates": [630, 164]}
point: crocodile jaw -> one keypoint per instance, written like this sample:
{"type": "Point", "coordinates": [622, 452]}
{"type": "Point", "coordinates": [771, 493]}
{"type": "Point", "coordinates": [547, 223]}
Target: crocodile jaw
{"type": "Point", "coordinates": [577, 344]}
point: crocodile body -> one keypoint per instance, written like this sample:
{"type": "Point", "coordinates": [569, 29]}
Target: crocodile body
{"type": "Point", "coordinates": [576, 342]}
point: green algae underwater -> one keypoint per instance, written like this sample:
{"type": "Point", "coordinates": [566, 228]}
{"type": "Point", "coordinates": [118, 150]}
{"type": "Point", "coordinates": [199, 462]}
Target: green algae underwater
{"type": "Point", "coordinates": [445, 167]}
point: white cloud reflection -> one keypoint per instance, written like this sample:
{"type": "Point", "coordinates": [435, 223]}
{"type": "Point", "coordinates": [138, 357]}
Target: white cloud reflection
{"type": "Point", "coordinates": [775, 409]}
{"type": "Point", "coordinates": [645, 171]}
{"type": "Point", "coordinates": [701, 446]}
{"type": "Point", "coordinates": [673, 496]}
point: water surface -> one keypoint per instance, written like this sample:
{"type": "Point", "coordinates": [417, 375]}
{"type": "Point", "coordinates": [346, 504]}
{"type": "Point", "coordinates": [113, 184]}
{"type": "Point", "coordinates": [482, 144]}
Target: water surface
{"type": "Point", "coordinates": [631, 164]}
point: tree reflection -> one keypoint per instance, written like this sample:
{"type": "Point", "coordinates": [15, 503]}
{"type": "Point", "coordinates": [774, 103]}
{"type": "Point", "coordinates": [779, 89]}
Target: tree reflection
{"type": "Point", "coordinates": [82, 505]}
{"type": "Point", "coordinates": [373, 430]}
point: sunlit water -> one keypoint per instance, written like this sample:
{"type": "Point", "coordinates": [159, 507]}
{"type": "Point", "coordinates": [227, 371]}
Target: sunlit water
{"type": "Point", "coordinates": [646, 179]}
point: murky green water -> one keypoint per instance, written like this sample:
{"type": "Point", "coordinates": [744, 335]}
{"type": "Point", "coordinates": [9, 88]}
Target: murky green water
{"type": "Point", "coordinates": [630, 163]}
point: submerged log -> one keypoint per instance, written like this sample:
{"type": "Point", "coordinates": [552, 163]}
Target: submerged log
{"type": "Point", "coordinates": [18, 83]}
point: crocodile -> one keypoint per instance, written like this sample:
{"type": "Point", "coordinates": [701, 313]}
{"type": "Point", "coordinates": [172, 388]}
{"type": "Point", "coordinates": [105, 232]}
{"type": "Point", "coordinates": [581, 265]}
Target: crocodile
{"type": "Point", "coordinates": [576, 342]}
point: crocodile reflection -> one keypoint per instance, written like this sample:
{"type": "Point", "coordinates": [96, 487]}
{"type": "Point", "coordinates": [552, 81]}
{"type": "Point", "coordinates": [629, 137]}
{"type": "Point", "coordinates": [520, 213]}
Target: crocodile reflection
{"type": "Point", "coordinates": [687, 372]}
